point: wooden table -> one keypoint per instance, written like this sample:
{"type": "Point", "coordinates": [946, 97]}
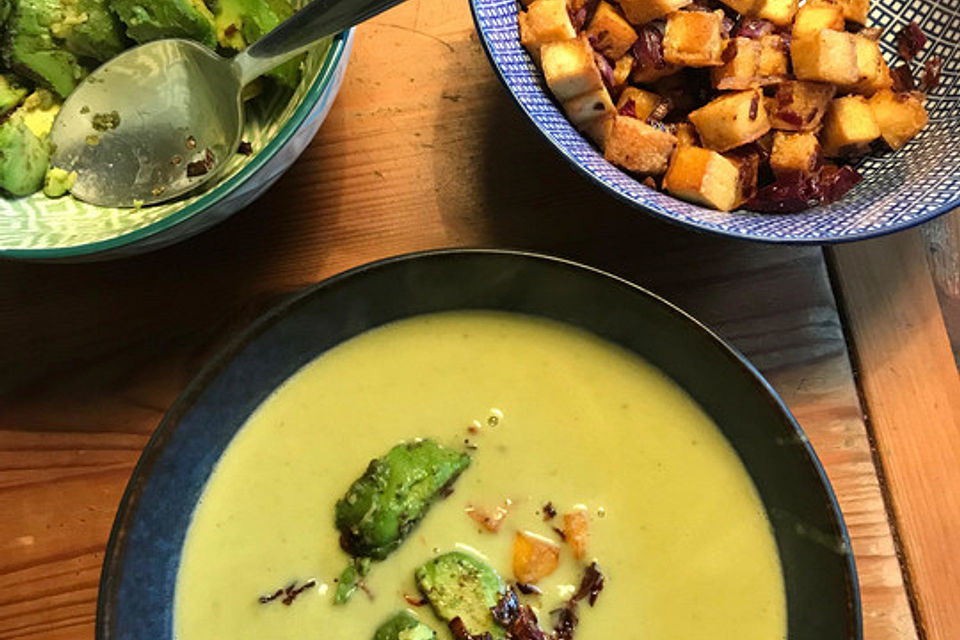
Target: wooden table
{"type": "Point", "coordinates": [424, 149]}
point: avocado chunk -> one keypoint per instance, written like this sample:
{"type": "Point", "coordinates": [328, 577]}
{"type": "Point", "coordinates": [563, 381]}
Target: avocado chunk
{"type": "Point", "coordinates": [25, 144]}
{"type": "Point", "coordinates": [459, 585]}
{"type": "Point", "coordinates": [148, 20]}
{"type": "Point", "coordinates": [12, 93]}
{"type": "Point", "coordinates": [5, 7]}
{"type": "Point", "coordinates": [403, 625]}
{"type": "Point", "coordinates": [88, 29]}
{"type": "Point", "coordinates": [393, 495]}
{"type": "Point", "coordinates": [31, 49]}
{"type": "Point", "coordinates": [240, 23]}
{"type": "Point", "coordinates": [58, 182]}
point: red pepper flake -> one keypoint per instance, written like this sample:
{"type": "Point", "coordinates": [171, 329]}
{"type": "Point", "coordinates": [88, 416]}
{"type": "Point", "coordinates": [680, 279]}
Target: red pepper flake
{"type": "Point", "coordinates": [202, 166]}
{"type": "Point", "coordinates": [931, 73]}
{"type": "Point", "coordinates": [590, 585]}
{"type": "Point", "coordinates": [460, 632]}
{"type": "Point", "coordinates": [910, 41]}
{"type": "Point", "coordinates": [567, 621]}
{"type": "Point", "coordinates": [902, 78]}
{"type": "Point", "coordinates": [270, 598]}
{"type": "Point", "coordinates": [289, 593]}
{"type": "Point", "coordinates": [560, 533]}
{"type": "Point", "coordinates": [414, 601]}
{"type": "Point", "coordinates": [549, 511]}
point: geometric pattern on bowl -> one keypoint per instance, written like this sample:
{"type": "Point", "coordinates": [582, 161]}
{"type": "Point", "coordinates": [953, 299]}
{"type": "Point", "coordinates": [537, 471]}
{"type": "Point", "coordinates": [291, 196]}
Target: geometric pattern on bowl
{"type": "Point", "coordinates": [899, 190]}
{"type": "Point", "coordinates": [278, 125]}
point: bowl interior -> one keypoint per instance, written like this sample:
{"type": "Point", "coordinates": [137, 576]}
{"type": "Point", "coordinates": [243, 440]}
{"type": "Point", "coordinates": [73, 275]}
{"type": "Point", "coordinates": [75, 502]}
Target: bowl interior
{"type": "Point", "coordinates": [899, 190]}
{"type": "Point", "coordinates": [40, 223]}
{"type": "Point", "coordinates": [139, 574]}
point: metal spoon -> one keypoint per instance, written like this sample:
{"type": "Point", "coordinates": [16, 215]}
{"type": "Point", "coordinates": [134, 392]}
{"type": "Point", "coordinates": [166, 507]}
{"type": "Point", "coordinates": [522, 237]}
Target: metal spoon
{"type": "Point", "coordinates": [163, 118]}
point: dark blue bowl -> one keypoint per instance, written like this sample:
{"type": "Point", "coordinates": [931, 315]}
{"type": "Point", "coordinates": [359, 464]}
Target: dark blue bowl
{"type": "Point", "coordinates": [142, 559]}
{"type": "Point", "coordinates": [899, 190]}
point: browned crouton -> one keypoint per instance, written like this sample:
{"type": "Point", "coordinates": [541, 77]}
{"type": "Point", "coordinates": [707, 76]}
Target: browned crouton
{"type": "Point", "coordinates": [731, 120]}
{"type": "Point", "coordinates": [694, 38]}
{"type": "Point", "coordinates": [636, 146]}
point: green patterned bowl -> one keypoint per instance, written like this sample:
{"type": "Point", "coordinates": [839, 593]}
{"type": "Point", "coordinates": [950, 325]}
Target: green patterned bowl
{"type": "Point", "coordinates": [41, 228]}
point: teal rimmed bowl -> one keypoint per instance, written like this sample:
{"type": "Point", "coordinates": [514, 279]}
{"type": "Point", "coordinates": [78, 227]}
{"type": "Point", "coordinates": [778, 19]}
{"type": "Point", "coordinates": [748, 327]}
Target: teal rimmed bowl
{"type": "Point", "coordinates": [41, 228]}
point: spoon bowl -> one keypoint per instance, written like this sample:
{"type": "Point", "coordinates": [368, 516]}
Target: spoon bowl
{"type": "Point", "coordinates": [163, 118]}
{"type": "Point", "coordinates": [155, 122]}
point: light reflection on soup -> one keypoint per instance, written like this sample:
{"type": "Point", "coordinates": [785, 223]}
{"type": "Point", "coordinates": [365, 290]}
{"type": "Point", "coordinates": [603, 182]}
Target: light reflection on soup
{"type": "Point", "coordinates": [674, 520]}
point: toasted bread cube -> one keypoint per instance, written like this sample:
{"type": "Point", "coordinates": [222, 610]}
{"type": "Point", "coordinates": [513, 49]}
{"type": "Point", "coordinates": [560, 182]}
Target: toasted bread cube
{"type": "Point", "coordinates": [900, 116]}
{"type": "Point", "coordinates": [751, 63]}
{"type": "Point", "coordinates": [799, 106]}
{"type": "Point", "coordinates": [816, 16]}
{"type": "Point", "coordinates": [873, 70]}
{"type": "Point", "coordinates": [743, 7]}
{"type": "Point", "coordinates": [705, 177]}
{"type": "Point", "coordinates": [622, 69]}
{"type": "Point", "coordinates": [643, 11]}
{"type": "Point", "coordinates": [636, 146]}
{"type": "Point", "coordinates": [569, 69]}
{"type": "Point", "coordinates": [544, 21]}
{"type": "Point", "coordinates": [585, 108]}
{"type": "Point", "coordinates": [742, 61]}
{"type": "Point", "coordinates": [828, 56]}
{"type": "Point", "coordinates": [642, 74]}
{"type": "Point", "coordinates": [855, 10]}
{"type": "Point", "coordinates": [795, 152]}
{"type": "Point", "coordinates": [731, 120]}
{"type": "Point", "coordinates": [779, 12]}
{"type": "Point", "coordinates": [644, 102]}
{"type": "Point", "coordinates": [849, 127]}
{"type": "Point", "coordinates": [686, 135]}
{"type": "Point", "coordinates": [694, 38]}
{"type": "Point", "coordinates": [774, 62]}
{"type": "Point", "coordinates": [612, 34]}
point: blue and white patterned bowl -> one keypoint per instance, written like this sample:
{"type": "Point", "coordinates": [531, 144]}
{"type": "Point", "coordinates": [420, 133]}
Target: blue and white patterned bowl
{"type": "Point", "coordinates": [899, 190]}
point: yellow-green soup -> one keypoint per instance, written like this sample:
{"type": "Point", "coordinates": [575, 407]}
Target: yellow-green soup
{"type": "Point", "coordinates": [675, 522]}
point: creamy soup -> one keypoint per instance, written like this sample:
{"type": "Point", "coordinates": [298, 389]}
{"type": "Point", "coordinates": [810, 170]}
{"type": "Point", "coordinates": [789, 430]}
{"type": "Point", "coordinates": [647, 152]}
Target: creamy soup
{"type": "Point", "coordinates": [552, 414]}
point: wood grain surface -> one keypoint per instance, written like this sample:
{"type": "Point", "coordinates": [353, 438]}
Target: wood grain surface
{"type": "Point", "coordinates": [423, 149]}
{"type": "Point", "coordinates": [912, 391]}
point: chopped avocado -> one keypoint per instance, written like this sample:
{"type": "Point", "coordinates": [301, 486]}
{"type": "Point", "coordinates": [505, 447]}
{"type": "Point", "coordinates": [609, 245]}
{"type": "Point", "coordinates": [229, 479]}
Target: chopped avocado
{"type": "Point", "coordinates": [459, 585]}
{"type": "Point", "coordinates": [384, 505]}
{"type": "Point", "coordinates": [148, 20]}
{"type": "Point", "coordinates": [5, 7]}
{"type": "Point", "coordinates": [31, 49]}
{"type": "Point", "coordinates": [89, 30]}
{"type": "Point", "coordinates": [58, 182]}
{"type": "Point", "coordinates": [404, 625]}
{"type": "Point", "coordinates": [25, 144]}
{"type": "Point", "coordinates": [12, 93]}
{"type": "Point", "coordinates": [242, 22]}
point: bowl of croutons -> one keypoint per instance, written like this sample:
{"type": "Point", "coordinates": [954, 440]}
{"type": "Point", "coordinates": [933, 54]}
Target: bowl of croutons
{"type": "Point", "coordinates": [798, 121]}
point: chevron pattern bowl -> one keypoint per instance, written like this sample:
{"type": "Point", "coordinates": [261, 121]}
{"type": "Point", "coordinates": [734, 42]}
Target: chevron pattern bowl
{"type": "Point", "coordinates": [41, 228]}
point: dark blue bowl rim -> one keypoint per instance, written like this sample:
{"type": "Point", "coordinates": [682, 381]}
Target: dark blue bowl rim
{"type": "Point", "coordinates": [113, 555]}
{"type": "Point", "coordinates": [683, 222]}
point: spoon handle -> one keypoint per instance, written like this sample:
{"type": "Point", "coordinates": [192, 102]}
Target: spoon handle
{"type": "Point", "coordinates": [317, 20]}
